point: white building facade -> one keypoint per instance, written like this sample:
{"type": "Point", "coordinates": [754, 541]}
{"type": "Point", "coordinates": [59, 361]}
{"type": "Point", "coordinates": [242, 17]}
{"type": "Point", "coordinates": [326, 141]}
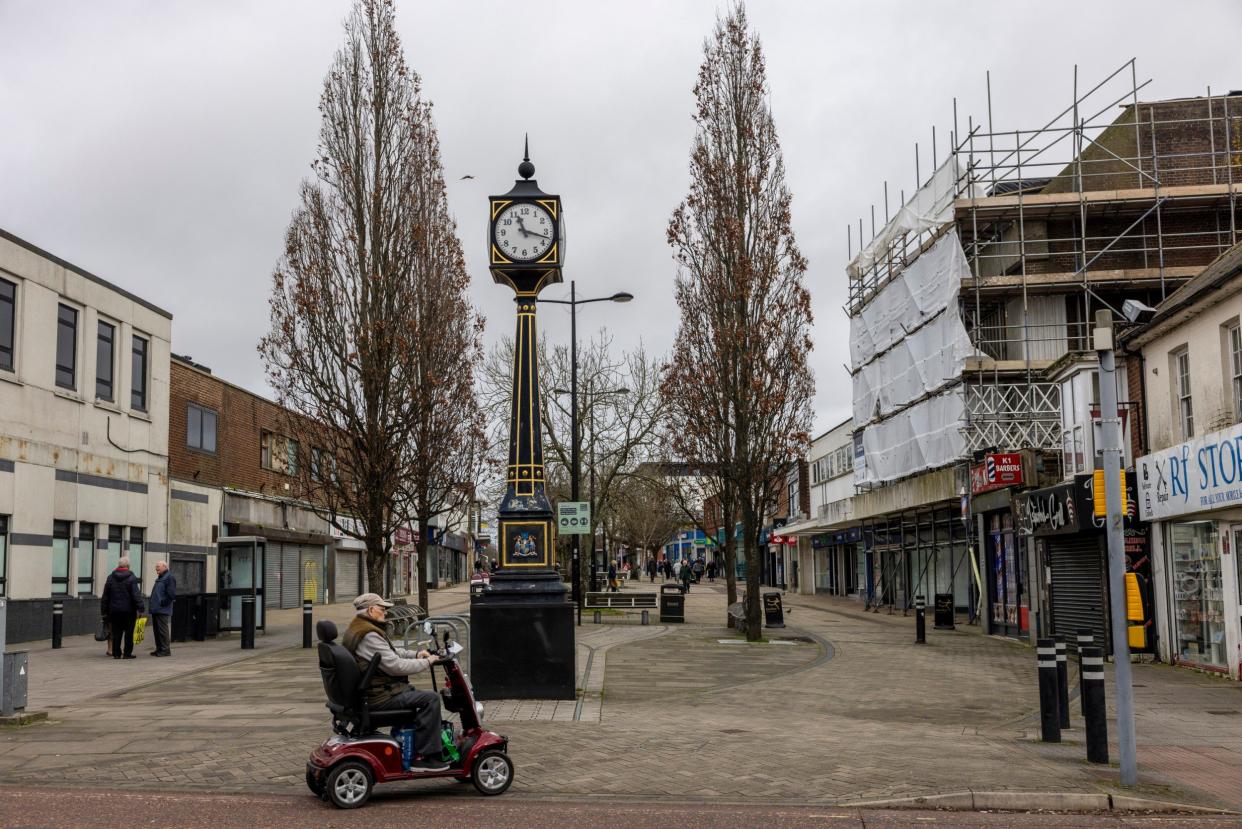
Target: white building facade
{"type": "Point", "coordinates": [83, 437]}
{"type": "Point", "coordinates": [828, 538]}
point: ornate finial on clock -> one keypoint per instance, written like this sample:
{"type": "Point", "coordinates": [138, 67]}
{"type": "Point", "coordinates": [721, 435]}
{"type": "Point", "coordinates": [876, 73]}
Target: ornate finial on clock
{"type": "Point", "coordinates": [526, 169]}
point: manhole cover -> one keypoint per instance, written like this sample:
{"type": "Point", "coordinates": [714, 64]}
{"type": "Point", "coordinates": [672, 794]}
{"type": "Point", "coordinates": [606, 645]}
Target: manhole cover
{"type": "Point", "coordinates": [1225, 713]}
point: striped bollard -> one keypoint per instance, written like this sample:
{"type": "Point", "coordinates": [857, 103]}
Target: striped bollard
{"type": "Point", "coordinates": [1095, 710]}
{"type": "Point", "coordinates": [1062, 680]}
{"type": "Point", "coordinates": [58, 623]}
{"type": "Point", "coordinates": [920, 621]}
{"type": "Point", "coordinates": [1086, 639]}
{"type": "Point", "coordinates": [1049, 717]}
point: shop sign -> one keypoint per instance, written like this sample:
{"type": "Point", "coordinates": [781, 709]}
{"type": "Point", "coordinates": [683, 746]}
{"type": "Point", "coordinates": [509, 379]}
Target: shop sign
{"type": "Point", "coordinates": [1051, 511]}
{"type": "Point", "coordinates": [996, 472]}
{"type": "Point", "coordinates": [1200, 474]}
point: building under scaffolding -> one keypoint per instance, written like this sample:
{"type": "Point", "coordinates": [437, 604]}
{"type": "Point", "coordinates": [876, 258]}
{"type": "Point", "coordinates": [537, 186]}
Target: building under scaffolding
{"type": "Point", "coordinates": [970, 311]}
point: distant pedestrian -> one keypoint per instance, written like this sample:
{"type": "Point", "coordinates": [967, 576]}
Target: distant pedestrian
{"type": "Point", "coordinates": [163, 594]}
{"type": "Point", "coordinates": [687, 573]}
{"type": "Point", "coordinates": [612, 577]}
{"type": "Point", "coordinates": [651, 569]}
{"type": "Point", "coordinates": [711, 570]}
{"type": "Point", "coordinates": [120, 604]}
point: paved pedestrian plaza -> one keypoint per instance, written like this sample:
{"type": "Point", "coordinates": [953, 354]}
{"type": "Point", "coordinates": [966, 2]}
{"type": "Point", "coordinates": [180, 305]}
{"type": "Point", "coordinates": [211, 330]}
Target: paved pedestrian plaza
{"type": "Point", "coordinates": [840, 707]}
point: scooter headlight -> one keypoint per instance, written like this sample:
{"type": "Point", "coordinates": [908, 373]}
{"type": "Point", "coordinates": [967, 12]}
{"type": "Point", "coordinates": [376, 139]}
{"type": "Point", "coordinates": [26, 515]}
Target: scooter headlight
{"type": "Point", "coordinates": [478, 710]}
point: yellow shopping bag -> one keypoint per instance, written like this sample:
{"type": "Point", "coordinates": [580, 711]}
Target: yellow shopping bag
{"type": "Point", "coordinates": [140, 630]}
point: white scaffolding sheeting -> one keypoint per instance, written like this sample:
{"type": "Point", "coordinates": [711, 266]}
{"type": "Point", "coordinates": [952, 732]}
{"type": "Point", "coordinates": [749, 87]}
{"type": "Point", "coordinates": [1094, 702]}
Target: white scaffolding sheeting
{"type": "Point", "coordinates": [931, 207]}
{"type": "Point", "coordinates": [909, 349]}
{"type": "Point", "coordinates": [927, 435]}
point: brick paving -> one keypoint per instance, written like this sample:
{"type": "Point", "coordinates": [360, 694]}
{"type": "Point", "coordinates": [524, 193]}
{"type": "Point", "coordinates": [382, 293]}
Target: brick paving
{"type": "Point", "coordinates": [851, 711]}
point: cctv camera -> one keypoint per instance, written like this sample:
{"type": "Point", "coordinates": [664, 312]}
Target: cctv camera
{"type": "Point", "coordinates": [1135, 311]}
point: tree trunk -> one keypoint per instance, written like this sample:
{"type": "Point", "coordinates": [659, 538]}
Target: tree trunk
{"type": "Point", "coordinates": [424, 527]}
{"type": "Point", "coordinates": [377, 557]}
{"type": "Point", "coordinates": [730, 568]}
{"type": "Point", "coordinates": [750, 534]}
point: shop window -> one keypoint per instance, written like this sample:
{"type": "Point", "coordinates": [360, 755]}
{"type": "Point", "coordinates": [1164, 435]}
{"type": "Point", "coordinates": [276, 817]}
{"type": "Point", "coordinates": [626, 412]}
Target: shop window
{"type": "Point", "coordinates": [1198, 594]}
{"type": "Point", "coordinates": [200, 428]}
{"type": "Point", "coordinates": [105, 358]}
{"type": "Point", "coordinates": [4, 550]}
{"type": "Point", "coordinates": [1181, 380]}
{"type": "Point", "coordinates": [66, 347]}
{"type": "Point", "coordinates": [60, 558]}
{"type": "Point", "coordinates": [86, 560]}
{"type": "Point", "coordinates": [113, 557]}
{"type": "Point", "coordinates": [8, 324]}
{"type": "Point", "coordinates": [135, 552]}
{"type": "Point", "coordinates": [138, 374]}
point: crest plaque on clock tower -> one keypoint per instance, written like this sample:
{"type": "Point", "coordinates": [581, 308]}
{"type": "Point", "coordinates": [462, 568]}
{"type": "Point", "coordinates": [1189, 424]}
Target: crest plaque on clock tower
{"type": "Point", "coordinates": [522, 634]}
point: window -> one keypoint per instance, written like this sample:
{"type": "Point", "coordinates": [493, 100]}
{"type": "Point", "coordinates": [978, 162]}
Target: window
{"type": "Point", "coordinates": [278, 453]}
{"type": "Point", "coordinates": [115, 534]}
{"type": "Point", "coordinates": [8, 323]}
{"type": "Point", "coordinates": [135, 552]}
{"type": "Point", "coordinates": [67, 347]}
{"type": "Point", "coordinates": [1185, 411]}
{"type": "Point", "coordinates": [86, 559]}
{"type": "Point", "coordinates": [200, 428]}
{"type": "Point", "coordinates": [105, 353]}
{"type": "Point", "coordinates": [4, 549]}
{"type": "Point", "coordinates": [138, 377]}
{"type": "Point", "coordinates": [60, 558]}
{"type": "Point", "coordinates": [1235, 367]}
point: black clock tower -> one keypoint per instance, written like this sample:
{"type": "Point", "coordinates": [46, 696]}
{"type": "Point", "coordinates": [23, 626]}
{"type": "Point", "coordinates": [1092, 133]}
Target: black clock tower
{"type": "Point", "coordinates": [522, 631]}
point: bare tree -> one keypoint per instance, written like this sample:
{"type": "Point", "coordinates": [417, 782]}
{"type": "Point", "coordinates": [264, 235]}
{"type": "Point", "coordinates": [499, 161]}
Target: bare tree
{"type": "Point", "coordinates": [739, 386]}
{"type": "Point", "coordinates": [373, 340]}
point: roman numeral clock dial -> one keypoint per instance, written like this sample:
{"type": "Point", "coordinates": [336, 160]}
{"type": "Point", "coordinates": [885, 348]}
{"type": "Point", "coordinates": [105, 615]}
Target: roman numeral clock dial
{"type": "Point", "coordinates": [523, 231]}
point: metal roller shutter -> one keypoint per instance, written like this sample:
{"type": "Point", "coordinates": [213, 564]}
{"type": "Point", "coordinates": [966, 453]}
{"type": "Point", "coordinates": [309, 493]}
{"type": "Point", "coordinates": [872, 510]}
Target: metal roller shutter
{"type": "Point", "coordinates": [271, 575]}
{"type": "Point", "coordinates": [348, 570]}
{"type": "Point", "coordinates": [290, 575]}
{"type": "Point", "coordinates": [311, 568]}
{"type": "Point", "coordinates": [1079, 592]}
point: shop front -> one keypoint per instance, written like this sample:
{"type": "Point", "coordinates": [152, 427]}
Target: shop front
{"type": "Point", "coordinates": [1193, 491]}
{"type": "Point", "coordinates": [1005, 552]}
{"type": "Point", "coordinates": [836, 561]}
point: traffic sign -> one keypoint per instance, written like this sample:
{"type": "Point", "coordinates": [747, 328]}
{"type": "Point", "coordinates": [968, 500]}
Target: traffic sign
{"type": "Point", "coordinates": [573, 518]}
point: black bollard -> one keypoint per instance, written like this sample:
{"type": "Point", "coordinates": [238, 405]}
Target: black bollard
{"type": "Point", "coordinates": [1085, 640]}
{"type": "Point", "coordinates": [920, 621]}
{"type": "Point", "coordinates": [1049, 717]}
{"type": "Point", "coordinates": [247, 623]}
{"type": "Point", "coordinates": [1062, 680]}
{"type": "Point", "coordinates": [58, 622]}
{"type": "Point", "coordinates": [1095, 713]}
{"type": "Point", "coordinates": [306, 624]}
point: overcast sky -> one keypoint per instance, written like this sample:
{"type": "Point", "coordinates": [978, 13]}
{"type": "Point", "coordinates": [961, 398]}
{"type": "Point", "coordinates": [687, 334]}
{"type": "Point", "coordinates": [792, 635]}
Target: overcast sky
{"type": "Point", "coordinates": [160, 144]}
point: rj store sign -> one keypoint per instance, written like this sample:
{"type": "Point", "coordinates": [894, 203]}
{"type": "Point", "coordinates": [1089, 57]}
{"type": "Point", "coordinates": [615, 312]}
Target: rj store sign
{"type": "Point", "coordinates": [1200, 474]}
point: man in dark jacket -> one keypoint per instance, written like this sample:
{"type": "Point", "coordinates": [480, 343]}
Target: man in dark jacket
{"type": "Point", "coordinates": [120, 605]}
{"type": "Point", "coordinates": [163, 593]}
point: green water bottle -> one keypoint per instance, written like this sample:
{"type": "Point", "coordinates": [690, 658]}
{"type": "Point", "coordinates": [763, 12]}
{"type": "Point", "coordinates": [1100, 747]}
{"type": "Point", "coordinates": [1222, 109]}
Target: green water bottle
{"type": "Point", "coordinates": [449, 747]}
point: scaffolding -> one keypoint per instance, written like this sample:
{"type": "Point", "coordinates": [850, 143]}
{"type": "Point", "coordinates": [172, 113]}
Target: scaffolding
{"type": "Point", "coordinates": [1113, 198]}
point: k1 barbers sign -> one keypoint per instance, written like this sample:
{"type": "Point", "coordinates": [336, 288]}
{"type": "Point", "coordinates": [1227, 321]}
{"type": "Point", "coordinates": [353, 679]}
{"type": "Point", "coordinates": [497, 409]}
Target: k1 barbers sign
{"type": "Point", "coordinates": [1200, 474]}
{"type": "Point", "coordinates": [996, 472]}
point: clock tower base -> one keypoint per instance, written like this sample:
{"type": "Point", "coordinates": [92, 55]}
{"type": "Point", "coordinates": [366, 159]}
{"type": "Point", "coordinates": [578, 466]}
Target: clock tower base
{"type": "Point", "coordinates": [522, 638]}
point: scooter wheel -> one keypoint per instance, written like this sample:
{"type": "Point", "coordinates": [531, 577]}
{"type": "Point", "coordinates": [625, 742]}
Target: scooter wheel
{"type": "Point", "coordinates": [312, 782]}
{"type": "Point", "coordinates": [349, 785]}
{"type": "Point", "coordinates": [492, 773]}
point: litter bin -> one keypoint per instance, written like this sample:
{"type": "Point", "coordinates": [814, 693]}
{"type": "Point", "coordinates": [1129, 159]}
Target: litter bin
{"type": "Point", "coordinates": [672, 603]}
{"type": "Point", "coordinates": [13, 692]}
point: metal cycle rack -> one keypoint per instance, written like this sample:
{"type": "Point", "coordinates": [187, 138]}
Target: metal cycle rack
{"type": "Point", "coordinates": [458, 624]}
{"type": "Point", "coordinates": [403, 617]}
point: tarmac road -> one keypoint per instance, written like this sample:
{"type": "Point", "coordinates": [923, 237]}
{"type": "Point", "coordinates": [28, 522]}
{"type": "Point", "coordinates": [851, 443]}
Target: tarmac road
{"type": "Point", "coordinates": [461, 808]}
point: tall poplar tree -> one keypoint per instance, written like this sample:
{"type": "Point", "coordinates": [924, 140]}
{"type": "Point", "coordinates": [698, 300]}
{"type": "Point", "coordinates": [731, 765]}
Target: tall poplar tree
{"type": "Point", "coordinates": [739, 385]}
{"type": "Point", "coordinates": [373, 338]}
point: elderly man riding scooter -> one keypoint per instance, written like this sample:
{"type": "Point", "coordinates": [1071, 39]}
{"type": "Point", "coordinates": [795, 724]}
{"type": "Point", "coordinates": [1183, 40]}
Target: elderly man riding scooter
{"type": "Point", "coordinates": [390, 688]}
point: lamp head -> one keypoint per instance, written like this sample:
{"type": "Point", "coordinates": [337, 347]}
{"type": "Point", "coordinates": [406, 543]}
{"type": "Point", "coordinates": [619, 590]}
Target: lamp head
{"type": "Point", "coordinates": [621, 296]}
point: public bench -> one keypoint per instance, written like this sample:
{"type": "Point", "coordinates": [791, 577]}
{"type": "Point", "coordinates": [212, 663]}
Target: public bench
{"type": "Point", "coordinates": [626, 602]}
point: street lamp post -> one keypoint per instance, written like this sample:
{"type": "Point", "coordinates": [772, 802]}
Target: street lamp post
{"type": "Point", "coordinates": [575, 439]}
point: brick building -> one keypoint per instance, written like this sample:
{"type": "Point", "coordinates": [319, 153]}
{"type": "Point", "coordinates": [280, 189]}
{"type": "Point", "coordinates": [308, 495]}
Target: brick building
{"type": "Point", "coordinates": [234, 474]}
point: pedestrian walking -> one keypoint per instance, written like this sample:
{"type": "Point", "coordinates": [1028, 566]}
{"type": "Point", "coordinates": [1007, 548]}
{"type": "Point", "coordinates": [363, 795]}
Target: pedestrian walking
{"type": "Point", "coordinates": [651, 569]}
{"type": "Point", "coordinates": [612, 577]}
{"type": "Point", "coordinates": [687, 573]}
{"type": "Point", "coordinates": [163, 594]}
{"type": "Point", "coordinates": [120, 604]}
{"type": "Point", "coordinates": [711, 571]}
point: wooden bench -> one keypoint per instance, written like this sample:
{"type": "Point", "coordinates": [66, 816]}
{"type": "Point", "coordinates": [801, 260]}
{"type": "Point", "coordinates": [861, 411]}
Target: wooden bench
{"type": "Point", "coordinates": [629, 602]}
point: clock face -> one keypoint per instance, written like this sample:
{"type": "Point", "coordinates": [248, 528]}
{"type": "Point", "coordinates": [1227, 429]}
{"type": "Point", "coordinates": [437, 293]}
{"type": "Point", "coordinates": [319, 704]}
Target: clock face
{"type": "Point", "coordinates": [524, 231]}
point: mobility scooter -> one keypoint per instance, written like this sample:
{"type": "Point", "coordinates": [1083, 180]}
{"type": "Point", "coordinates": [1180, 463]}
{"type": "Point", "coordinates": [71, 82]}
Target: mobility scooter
{"type": "Point", "coordinates": [346, 767]}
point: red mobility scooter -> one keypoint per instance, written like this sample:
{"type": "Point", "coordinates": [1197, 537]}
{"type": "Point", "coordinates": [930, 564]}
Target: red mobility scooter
{"type": "Point", "coordinates": [346, 767]}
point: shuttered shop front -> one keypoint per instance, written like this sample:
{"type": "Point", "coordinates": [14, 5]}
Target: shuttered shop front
{"type": "Point", "coordinates": [1079, 593]}
{"type": "Point", "coordinates": [348, 574]}
{"type": "Point", "coordinates": [294, 572]}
